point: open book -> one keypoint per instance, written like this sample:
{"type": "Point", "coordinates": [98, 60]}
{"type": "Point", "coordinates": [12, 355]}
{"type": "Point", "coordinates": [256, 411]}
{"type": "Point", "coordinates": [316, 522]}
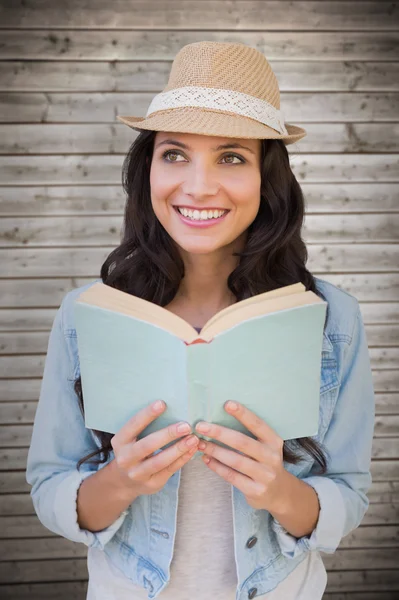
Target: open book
{"type": "Point", "coordinates": [264, 352]}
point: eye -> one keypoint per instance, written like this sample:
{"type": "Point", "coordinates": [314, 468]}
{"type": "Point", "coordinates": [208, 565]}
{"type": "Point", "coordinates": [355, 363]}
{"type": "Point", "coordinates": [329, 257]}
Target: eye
{"type": "Point", "coordinates": [177, 153]}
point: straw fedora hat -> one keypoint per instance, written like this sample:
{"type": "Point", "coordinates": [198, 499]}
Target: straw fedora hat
{"type": "Point", "coordinates": [222, 89]}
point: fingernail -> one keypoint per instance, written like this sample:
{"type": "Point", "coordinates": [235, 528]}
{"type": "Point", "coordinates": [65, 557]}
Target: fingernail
{"type": "Point", "coordinates": [231, 405]}
{"type": "Point", "coordinates": [158, 405]}
{"type": "Point", "coordinates": [183, 427]}
{"type": "Point", "coordinates": [202, 427]}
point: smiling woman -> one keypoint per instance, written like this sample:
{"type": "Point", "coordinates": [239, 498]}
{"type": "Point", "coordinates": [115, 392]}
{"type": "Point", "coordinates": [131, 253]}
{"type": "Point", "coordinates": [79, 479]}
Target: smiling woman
{"type": "Point", "coordinates": [213, 215]}
{"type": "Point", "coordinates": [200, 180]}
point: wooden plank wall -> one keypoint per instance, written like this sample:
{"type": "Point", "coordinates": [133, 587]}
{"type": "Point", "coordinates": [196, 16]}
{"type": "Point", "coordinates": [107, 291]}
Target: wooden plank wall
{"type": "Point", "coordinates": [66, 69]}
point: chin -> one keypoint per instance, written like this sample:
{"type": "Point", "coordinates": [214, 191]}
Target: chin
{"type": "Point", "coordinates": [198, 248]}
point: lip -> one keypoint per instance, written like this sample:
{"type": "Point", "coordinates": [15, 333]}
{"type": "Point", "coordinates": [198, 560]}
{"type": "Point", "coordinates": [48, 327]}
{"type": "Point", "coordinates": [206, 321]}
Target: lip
{"type": "Point", "coordinates": [176, 206]}
{"type": "Point", "coordinates": [207, 223]}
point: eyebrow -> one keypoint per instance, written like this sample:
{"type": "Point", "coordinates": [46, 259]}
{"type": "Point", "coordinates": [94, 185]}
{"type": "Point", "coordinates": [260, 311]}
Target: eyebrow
{"type": "Point", "coordinates": [221, 147]}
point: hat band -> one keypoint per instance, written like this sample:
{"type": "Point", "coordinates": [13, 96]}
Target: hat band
{"type": "Point", "coordinates": [221, 99]}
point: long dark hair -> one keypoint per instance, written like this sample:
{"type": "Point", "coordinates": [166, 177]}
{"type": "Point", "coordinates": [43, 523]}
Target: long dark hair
{"type": "Point", "coordinates": [147, 263]}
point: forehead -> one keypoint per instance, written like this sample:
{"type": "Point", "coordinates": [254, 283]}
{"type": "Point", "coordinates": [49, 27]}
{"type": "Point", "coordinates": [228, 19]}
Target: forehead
{"type": "Point", "coordinates": [205, 141]}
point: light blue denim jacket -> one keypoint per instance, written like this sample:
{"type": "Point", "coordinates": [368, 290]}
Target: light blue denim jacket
{"type": "Point", "coordinates": [141, 540]}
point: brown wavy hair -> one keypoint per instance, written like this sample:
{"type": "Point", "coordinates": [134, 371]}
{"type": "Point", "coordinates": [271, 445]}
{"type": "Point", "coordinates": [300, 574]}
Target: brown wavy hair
{"type": "Point", "coordinates": [147, 263]}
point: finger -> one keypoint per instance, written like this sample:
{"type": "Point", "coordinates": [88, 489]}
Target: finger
{"type": "Point", "coordinates": [245, 465]}
{"type": "Point", "coordinates": [245, 484]}
{"type": "Point", "coordinates": [136, 424]}
{"type": "Point", "coordinates": [159, 479]}
{"type": "Point", "coordinates": [256, 425]}
{"type": "Point", "coordinates": [134, 452]}
{"type": "Point", "coordinates": [153, 465]}
{"type": "Point", "coordinates": [235, 439]}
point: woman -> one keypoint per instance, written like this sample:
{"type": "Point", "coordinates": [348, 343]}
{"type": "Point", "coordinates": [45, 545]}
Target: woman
{"type": "Point", "coordinates": [213, 216]}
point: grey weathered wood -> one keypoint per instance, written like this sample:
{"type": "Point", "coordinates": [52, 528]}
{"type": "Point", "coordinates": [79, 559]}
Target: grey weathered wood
{"type": "Point", "coordinates": [385, 443]}
{"type": "Point", "coordinates": [17, 412]}
{"type": "Point", "coordinates": [14, 482]}
{"type": "Point", "coordinates": [78, 589]}
{"type": "Point", "coordinates": [384, 315]}
{"type": "Point", "coordinates": [102, 107]}
{"type": "Point", "coordinates": [386, 381]}
{"type": "Point", "coordinates": [64, 89]}
{"type": "Point", "coordinates": [32, 365]}
{"type": "Point", "coordinates": [25, 526]}
{"type": "Point", "coordinates": [43, 570]}
{"type": "Point", "coordinates": [366, 287]}
{"type": "Point", "coordinates": [142, 76]}
{"type": "Point", "coordinates": [54, 547]}
{"type": "Point", "coordinates": [353, 559]}
{"type": "Point", "coordinates": [386, 386]}
{"type": "Point", "coordinates": [383, 495]}
{"type": "Point", "coordinates": [48, 591]}
{"type": "Point", "coordinates": [73, 44]}
{"type": "Point", "coordinates": [105, 230]}
{"type": "Point", "coordinates": [82, 169]}
{"type": "Point", "coordinates": [362, 596]}
{"type": "Point", "coordinates": [207, 14]}
{"type": "Point", "coordinates": [383, 469]}
{"type": "Point", "coordinates": [86, 262]}
{"type": "Point", "coordinates": [384, 358]}
{"type": "Point", "coordinates": [75, 568]}
{"type": "Point", "coordinates": [109, 199]}
{"type": "Point", "coordinates": [363, 581]}
{"type": "Point", "coordinates": [112, 139]}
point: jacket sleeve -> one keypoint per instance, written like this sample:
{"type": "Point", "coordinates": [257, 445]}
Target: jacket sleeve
{"type": "Point", "coordinates": [342, 489]}
{"type": "Point", "coordinates": [59, 440]}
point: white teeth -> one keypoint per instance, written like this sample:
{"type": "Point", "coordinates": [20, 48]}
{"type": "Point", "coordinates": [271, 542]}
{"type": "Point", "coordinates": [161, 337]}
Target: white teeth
{"type": "Point", "coordinates": [202, 215]}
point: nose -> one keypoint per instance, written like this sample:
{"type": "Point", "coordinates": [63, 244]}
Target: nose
{"type": "Point", "coordinates": [200, 182]}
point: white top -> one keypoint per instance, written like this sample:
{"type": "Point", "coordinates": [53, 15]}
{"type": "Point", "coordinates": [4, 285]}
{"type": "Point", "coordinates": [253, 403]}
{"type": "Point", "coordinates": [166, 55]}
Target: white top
{"type": "Point", "coordinates": [203, 563]}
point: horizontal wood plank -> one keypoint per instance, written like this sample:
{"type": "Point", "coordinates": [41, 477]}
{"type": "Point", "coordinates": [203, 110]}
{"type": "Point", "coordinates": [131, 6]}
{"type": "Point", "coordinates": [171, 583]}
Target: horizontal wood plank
{"type": "Point", "coordinates": [208, 14]}
{"type": "Point", "coordinates": [76, 568]}
{"type": "Point", "coordinates": [26, 293]}
{"type": "Point", "coordinates": [354, 559]}
{"type": "Point", "coordinates": [362, 596]}
{"type": "Point", "coordinates": [381, 319]}
{"type": "Point", "coordinates": [102, 107]}
{"type": "Point", "coordinates": [111, 139]}
{"type": "Point", "coordinates": [40, 571]}
{"type": "Point", "coordinates": [71, 44]}
{"type": "Point", "coordinates": [48, 591]}
{"type": "Point", "coordinates": [386, 440]}
{"type": "Point", "coordinates": [383, 508]}
{"type": "Point", "coordinates": [362, 582]}
{"type": "Point", "coordinates": [105, 230]}
{"type": "Point", "coordinates": [32, 365]}
{"type": "Point", "coordinates": [349, 580]}
{"type": "Point", "coordinates": [89, 169]}
{"type": "Point", "coordinates": [384, 473]}
{"type": "Point", "coordinates": [86, 262]}
{"type": "Point", "coordinates": [55, 547]}
{"type": "Point", "coordinates": [385, 382]}
{"type": "Point", "coordinates": [109, 199]}
{"type": "Point", "coordinates": [142, 76]}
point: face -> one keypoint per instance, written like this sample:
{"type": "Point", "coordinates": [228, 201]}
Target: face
{"type": "Point", "coordinates": [205, 196]}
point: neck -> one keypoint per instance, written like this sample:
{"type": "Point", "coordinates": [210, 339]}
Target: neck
{"type": "Point", "coordinates": [204, 287]}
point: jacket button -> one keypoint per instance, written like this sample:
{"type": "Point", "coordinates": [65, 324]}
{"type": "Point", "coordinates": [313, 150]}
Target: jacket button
{"type": "Point", "coordinates": [251, 542]}
{"type": "Point", "coordinates": [252, 592]}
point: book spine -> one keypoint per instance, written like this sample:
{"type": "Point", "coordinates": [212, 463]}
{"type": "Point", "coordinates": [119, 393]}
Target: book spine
{"type": "Point", "coordinates": [198, 381]}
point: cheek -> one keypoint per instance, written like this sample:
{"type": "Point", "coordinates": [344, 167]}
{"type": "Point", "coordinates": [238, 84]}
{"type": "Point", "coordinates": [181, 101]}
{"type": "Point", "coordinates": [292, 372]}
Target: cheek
{"type": "Point", "coordinates": [162, 186]}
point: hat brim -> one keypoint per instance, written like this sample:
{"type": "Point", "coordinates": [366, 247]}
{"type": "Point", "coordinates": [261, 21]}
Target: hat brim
{"type": "Point", "coordinates": [211, 122]}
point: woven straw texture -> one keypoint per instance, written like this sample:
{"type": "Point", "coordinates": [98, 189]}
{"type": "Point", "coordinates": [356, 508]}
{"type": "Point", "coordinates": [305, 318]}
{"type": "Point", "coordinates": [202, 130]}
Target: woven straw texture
{"type": "Point", "coordinates": [225, 66]}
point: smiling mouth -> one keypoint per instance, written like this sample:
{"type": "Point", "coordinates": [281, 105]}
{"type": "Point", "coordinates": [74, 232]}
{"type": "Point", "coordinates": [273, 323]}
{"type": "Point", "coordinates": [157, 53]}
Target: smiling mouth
{"type": "Point", "coordinates": [201, 215]}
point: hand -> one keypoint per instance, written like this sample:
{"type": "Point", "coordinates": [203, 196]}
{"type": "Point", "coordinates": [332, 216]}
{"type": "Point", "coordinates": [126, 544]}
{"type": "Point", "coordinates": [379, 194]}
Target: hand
{"type": "Point", "coordinates": [142, 472]}
{"type": "Point", "coordinates": [259, 471]}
